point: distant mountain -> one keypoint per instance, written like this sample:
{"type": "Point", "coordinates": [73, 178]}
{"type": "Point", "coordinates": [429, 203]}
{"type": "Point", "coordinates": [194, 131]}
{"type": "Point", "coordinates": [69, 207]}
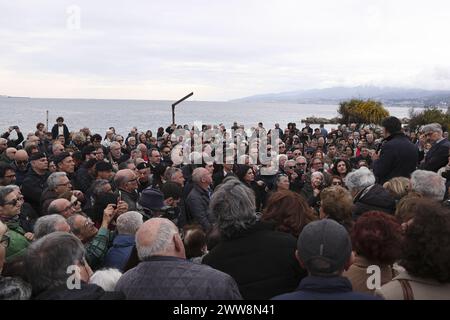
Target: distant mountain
{"type": "Point", "coordinates": [336, 94]}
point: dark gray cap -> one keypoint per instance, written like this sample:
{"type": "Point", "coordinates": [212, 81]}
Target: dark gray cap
{"type": "Point", "coordinates": [324, 247]}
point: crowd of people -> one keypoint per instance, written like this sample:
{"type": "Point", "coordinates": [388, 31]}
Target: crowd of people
{"type": "Point", "coordinates": [357, 212]}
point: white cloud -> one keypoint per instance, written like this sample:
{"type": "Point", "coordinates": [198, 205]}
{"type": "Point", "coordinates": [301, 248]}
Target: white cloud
{"type": "Point", "coordinates": [220, 49]}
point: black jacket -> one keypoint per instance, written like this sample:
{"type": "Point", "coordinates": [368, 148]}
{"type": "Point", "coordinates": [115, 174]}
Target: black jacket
{"type": "Point", "coordinates": [398, 158]}
{"type": "Point", "coordinates": [372, 198]}
{"type": "Point", "coordinates": [261, 260]}
{"type": "Point", "coordinates": [436, 157]}
{"type": "Point", "coordinates": [13, 143]}
{"type": "Point", "coordinates": [197, 206]}
{"type": "Point", "coordinates": [55, 132]}
{"type": "Point", "coordinates": [83, 179]}
{"type": "Point", "coordinates": [32, 188]}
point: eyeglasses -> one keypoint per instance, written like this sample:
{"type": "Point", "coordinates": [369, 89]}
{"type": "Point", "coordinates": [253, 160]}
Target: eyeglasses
{"type": "Point", "coordinates": [64, 184]}
{"type": "Point", "coordinates": [21, 161]}
{"type": "Point", "coordinates": [5, 240]}
{"type": "Point", "coordinates": [337, 183]}
{"type": "Point", "coordinates": [301, 164]}
{"type": "Point", "coordinates": [14, 202]}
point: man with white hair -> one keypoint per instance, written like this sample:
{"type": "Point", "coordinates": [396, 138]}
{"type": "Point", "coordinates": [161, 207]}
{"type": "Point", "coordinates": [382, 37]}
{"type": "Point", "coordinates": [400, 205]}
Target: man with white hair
{"type": "Point", "coordinates": [165, 274]}
{"type": "Point", "coordinates": [8, 156]}
{"type": "Point", "coordinates": [197, 202]}
{"type": "Point", "coordinates": [57, 184]}
{"type": "Point", "coordinates": [367, 195]}
{"type": "Point", "coordinates": [127, 224]}
{"type": "Point", "coordinates": [49, 224]}
{"type": "Point", "coordinates": [20, 165]}
{"type": "Point", "coordinates": [61, 207]}
{"type": "Point", "coordinates": [126, 181]}
{"type": "Point", "coordinates": [429, 184]}
{"type": "Point", "coordinates": [260, 259]}
{"type": "Point", "coordinates": [437, 156]}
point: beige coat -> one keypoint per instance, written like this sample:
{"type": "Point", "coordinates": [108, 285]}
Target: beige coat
{"type": "Point", "coordinates": [423, 289]}
{"type": "Point", "coordinates": [357, 274]}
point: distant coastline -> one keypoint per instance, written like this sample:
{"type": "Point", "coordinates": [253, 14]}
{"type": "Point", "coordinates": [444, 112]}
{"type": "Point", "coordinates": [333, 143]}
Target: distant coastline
{"type": "Point", "coordinates": [5, 96]}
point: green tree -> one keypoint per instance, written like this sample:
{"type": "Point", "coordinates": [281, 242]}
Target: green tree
{"type": "Point", "coordinates": [429, 115]}
{"type": "Point", "coordinates": [362, 112]}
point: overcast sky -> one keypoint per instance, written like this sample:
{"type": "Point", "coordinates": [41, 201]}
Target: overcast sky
{"type": "Point", "coordinates": [219, 49]}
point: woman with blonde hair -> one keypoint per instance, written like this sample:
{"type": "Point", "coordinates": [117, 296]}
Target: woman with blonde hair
{"type": "Point", "coordinates": [336, 203]}
{"type": "Point", "coordinates": [397, 187]}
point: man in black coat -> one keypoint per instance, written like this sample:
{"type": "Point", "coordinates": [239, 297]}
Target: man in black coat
{"type": "Point", "coordinates": [437, 156]}
{"type": "Point", "coordinates": [13, 143]}
{"type": "Point", "coordinates": [398, 156]}
{"type": "Point", "coordinates": [197, 202]}
{"type": "Point", "coordinates": [35, 180]}
{"type": "Point", "coordinates": [260, 259]}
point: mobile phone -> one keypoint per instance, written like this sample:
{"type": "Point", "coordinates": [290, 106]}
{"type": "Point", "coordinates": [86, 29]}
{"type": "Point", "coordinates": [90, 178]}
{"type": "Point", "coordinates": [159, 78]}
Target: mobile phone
{"type": "Point", "coordinates": [120, 196]}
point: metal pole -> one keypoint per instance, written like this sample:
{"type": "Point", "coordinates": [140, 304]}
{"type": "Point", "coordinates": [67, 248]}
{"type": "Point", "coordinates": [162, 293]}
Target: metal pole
{"type": "Point", "coordinates": [47, 119]}
{"type": "Point", "coordinates": [179, 101]}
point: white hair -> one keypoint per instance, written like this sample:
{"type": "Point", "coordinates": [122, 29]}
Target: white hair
{"type": "Point", "coordinates": [432, 127]}
{"type": "Point", "coordinates": [106, 278]}
{"type": "Point", "coordinates": [198, 174]}
{"type": "Point", "coordinates": [129, 222]}
{"type": "Point", "coordinates": [161, 243]}
{"type": "Point", "coordinates": [47, 224]}
{"type": "Point", "coordinates": [317, 173]}
{"type": "Point", "coordinates": [53, 179]}
{"type": "Point", "coordinates": [429, 184]}
{"type": "Point", "coordinates": [359, 179]}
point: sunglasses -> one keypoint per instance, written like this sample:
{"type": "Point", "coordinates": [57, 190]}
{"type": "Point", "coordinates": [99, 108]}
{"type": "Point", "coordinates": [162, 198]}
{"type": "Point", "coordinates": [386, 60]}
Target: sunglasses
{"type": "Point", "coordinates": [21, 161]}
{"type": "Point", "coordinates": [337, 183]}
